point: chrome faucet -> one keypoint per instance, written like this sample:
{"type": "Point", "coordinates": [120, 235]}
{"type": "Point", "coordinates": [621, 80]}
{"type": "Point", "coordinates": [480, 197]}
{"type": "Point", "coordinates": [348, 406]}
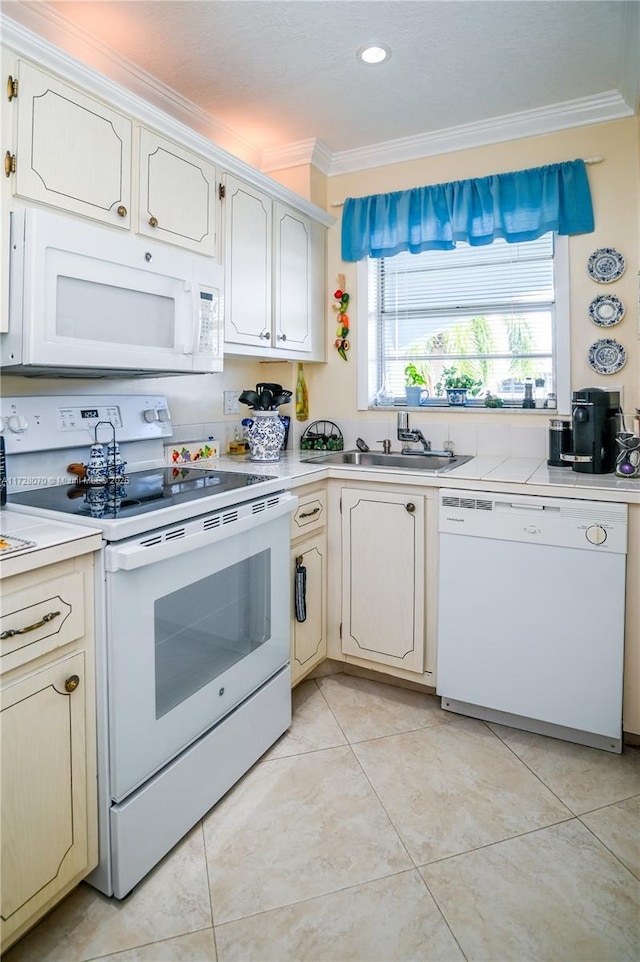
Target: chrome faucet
{"type": "Point", "coordinates": [405, 433]}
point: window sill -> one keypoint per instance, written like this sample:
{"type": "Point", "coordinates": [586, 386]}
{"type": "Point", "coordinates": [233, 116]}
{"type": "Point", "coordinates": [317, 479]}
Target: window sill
{"type": "Point", "coordinates": [475, 407]}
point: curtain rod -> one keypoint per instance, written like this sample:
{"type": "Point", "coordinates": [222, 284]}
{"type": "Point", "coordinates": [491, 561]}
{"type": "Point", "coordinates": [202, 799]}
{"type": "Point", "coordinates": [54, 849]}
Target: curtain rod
{"type": "Point", "coordinates": [588, 160]}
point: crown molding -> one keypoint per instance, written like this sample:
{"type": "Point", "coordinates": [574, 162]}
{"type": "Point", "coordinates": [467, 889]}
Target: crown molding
{"type": "Point", "coordinates": [311, 151]}
{"type": "Point", "coordinates": [30, 45]}
{"type": "Point", "coordinates": [110, 73]}
{"type": "Point", "coordinates": [42, 33]}
{"type": "Point", "coordinates": [529, 123]}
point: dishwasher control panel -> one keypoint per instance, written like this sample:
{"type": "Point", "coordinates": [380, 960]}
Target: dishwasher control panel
{"type": "Point", "coordinates": [560, 522]}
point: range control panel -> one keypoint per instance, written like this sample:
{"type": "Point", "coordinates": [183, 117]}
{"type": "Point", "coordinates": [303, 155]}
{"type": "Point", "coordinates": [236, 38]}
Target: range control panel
{"type": "Point", "coordinates": [51, 422]}
{"type": "Point", "coordinates": [78, 418]}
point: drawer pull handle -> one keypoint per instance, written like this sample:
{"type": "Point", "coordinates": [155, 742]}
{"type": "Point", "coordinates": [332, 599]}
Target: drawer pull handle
{"type": "Point", "coordinates": [22, 631]}
{"type": "Point", "coordinates": [309, 514]}
{"type": "Point", "coordinates": [71, 683]}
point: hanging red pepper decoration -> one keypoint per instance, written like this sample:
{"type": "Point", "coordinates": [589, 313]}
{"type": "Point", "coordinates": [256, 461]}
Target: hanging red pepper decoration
{"type": "Point", "coordinates": [341, 343]}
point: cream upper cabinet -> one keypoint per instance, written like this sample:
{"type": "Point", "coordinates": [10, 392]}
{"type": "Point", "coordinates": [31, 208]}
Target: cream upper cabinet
{"type": "Point", "coordinates": [383, 577]}
{"type": "Point", "coordinates": [73, 151]}
{"type": "Point", "coordinates": [274, 257]}
{"type": "Point", "coordinates": [292, 265]}
{"type": "Point", "coordinates": [177, 194]}
{"type": "Point", "coordinates": [247, 215]}
{"type": "Point", "coordinates": [47, 728]}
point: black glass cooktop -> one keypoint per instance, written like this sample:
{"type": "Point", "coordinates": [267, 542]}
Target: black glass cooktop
{"type": "Point", "coordinates": [138, 493]}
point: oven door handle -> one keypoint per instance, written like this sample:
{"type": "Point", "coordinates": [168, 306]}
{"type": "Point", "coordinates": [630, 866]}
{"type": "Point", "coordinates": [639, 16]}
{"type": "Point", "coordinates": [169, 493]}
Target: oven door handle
{"type": "Point", "coordinates": [196, 533]}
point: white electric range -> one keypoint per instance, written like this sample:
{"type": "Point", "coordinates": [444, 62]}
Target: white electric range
{"type": "Point", "coordinates": [193, 614]}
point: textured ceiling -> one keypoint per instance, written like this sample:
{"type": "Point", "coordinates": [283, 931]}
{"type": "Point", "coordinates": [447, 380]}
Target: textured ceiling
{"type": "Point", "coordinates": [282, 71]}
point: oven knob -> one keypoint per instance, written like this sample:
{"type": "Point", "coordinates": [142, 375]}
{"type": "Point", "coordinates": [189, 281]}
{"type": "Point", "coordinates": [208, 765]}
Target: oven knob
{"type": "Point", "coordinates": [151, 415]}
{"type": "Point", "coordinates": [17, 424]}
{"type": "Point", "coordinates": [596, 534]}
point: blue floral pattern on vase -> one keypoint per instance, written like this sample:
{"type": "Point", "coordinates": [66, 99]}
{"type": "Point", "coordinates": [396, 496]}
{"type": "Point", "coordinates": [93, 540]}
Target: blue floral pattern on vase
{"type": "Point", "coordinates": [457, 395]}
{"type": "Point", "coordinates": [265, 436]}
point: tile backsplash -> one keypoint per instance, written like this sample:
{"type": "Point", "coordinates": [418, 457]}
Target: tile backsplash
{"type": "Point", "coordinates": [466, 438]}
{"type": "Point", "coordinates": [502, 440]}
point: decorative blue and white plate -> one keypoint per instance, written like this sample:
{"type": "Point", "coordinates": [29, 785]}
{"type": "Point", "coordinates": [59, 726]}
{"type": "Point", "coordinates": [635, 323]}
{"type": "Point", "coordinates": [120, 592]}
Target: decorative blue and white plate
{"type": "Point", "coordinates": [606, 310]}
{"type": "Point", "coordinates": [607, 356]}
{"type": "Point", "coordinates": [606, 265]}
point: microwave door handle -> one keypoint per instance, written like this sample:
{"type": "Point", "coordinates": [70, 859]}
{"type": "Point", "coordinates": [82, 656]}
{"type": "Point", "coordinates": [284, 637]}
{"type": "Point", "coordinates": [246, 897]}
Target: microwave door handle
{"type": "Point", "coordinates": [185, 339]}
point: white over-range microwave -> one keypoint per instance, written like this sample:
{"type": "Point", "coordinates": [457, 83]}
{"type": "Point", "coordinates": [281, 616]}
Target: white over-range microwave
{"type": "Point", "coordinates": [90, 301]}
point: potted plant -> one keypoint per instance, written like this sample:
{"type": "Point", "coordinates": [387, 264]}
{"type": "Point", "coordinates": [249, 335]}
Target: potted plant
{"type": "Point", "coordinates": [457, 385]}
{"type": "Point", "coordinates": [415, 384]}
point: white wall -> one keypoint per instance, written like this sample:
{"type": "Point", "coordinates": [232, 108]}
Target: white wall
{"type": "Point", "coordinates": [193, 399]}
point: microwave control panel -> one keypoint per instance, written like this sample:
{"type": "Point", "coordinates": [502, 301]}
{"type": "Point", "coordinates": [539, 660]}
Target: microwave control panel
{"type": "Point", "coordinates": [210, 334]}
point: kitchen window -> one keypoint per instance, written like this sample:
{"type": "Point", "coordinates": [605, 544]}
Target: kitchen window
{"type": "Point", "coordinates": [497, 312]}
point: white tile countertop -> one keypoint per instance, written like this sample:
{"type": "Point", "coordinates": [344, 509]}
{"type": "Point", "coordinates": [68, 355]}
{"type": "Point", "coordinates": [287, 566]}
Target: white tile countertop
{"type": "Point", "coordinates": [489, 472]}
{"type": "Point", "coordinates": [48, 541]}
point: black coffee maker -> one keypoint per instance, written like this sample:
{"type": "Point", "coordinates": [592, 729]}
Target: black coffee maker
{"type": "Point", "coordinates": [594, 421]}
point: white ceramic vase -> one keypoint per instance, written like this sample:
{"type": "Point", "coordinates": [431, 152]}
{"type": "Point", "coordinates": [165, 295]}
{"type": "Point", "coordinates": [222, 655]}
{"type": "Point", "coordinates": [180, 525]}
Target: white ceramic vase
{"type": "Point", "coordinates": [265, 436]}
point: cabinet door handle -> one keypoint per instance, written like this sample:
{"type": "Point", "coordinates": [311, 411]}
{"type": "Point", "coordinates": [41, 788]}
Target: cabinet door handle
{"type": "Point", "coordinates": [153, 222]}
{"type": "Point", "coordinates": [300, 590]}
{"type": "Point", "coordinates": [309, 514]}
{"type": "Point", "coordinates": [282, 337]}
{"type": "Point", "coordinates": [265, 335]}
{"type": "Point", "coordinates": [38, 624]}
{"type": "Point", "coordinates": [410, 507]}
{"type": "Point", "coordinates": [71, 683]}
{"type": "Point", "coordinates": [122, 211]}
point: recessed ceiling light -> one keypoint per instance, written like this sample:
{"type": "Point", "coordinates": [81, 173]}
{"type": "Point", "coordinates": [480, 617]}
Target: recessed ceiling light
{"type": "Point", "coordinates": [374, 53]}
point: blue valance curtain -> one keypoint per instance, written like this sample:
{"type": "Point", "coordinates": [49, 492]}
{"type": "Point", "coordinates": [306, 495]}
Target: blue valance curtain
{"type": "Point", "coordinates": [517, 206]}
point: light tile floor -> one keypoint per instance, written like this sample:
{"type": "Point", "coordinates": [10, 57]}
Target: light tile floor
{"type": "Point", "coordinates": [381, 829]}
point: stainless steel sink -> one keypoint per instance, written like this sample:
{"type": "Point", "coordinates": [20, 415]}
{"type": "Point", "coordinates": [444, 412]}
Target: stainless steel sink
{"type": "Point", "coordinates": [423, 462]}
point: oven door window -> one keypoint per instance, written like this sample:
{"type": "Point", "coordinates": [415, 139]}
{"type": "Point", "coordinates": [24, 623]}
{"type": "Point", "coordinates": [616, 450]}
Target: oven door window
{"type": "Point", "coordinates": [205, 628]}
{"type": "Point", "coordinates": [189, 637]}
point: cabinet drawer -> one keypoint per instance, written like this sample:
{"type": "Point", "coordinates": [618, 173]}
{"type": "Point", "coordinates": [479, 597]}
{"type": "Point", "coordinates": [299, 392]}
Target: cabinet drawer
{"type": "Point", "coordinates": [38, 618]}
{"type": "Point", "coordinates": [310, 514]}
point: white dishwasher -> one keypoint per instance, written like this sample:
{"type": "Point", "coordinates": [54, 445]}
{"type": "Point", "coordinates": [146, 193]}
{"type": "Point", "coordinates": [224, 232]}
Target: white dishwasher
{"type": "Point", "coordinates": [531, 613]}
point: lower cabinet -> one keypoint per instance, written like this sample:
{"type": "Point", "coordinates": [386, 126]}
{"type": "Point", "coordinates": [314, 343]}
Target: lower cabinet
{"type": "Point", "coordinates": [44, 838]}
{"type": "Point", "coordinates": [308, 637]}
{"type": "Point", "coordinates": [48, 787]}
{"type": "Point", "coordinates": [309, 581]}
{"type": "Point", "coordinates": [385, 577]}
{"type": "Point", "coordinates": [373, 602]}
